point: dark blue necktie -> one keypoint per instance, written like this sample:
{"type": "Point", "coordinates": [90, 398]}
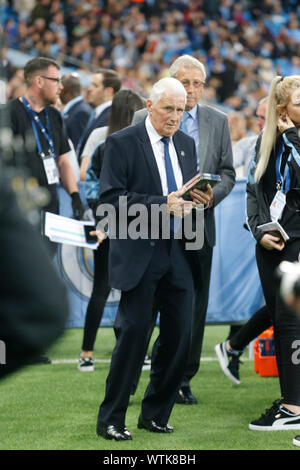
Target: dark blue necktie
{"type": "Point", "coordinates": [172, 186]}
{"type": "Point", "coordinates": [171, 182]}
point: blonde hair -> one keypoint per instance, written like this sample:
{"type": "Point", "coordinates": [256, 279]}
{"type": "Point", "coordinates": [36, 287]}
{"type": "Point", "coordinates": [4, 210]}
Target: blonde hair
{"type": "Point", "coordinates": [279, 96]}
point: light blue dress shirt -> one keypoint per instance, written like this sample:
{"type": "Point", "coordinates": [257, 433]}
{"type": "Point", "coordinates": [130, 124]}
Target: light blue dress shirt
{"type": "Point", "coordinates": [190, 126]}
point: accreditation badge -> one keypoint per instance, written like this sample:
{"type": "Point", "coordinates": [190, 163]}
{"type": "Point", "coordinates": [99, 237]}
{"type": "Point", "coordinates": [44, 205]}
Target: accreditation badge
{"type": "Point", "coordinates": [50, 169]}
{"type": "Point", "coordinates": [277, 206]}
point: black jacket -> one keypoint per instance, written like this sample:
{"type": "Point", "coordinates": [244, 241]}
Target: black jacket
{"type": "Point", "coordinates": [258, 204]}
{"type": "Point", "coordinates": [33, 300]}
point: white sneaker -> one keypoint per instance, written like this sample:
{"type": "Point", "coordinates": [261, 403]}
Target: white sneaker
{"type": "Point", "coordinates": [86, 364]}
{"type": "Point", "coordinates": [296, 441]}
{"type": "Point", "coordinates": [229, 362]}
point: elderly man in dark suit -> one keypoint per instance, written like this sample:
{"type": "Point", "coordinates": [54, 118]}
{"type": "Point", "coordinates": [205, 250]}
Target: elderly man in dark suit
{"type": "Point", "coordinates": [210, 131]}
{"type": "Point", "coordinates": [147, 164]}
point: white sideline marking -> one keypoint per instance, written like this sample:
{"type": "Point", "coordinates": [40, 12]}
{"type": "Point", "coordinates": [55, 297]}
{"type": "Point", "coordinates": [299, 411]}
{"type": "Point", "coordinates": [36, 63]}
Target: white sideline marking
{"type": "Point", "coordinates": [107, 361]}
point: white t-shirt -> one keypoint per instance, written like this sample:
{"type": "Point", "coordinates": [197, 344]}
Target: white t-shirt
{"type": "Point", "coordinates": [97, 135]}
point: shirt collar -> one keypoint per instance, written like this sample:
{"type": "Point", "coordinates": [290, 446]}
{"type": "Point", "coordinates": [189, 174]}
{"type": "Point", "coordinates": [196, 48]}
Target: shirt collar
{"type": "Point", "coordinates": [154, 136]}
{"type": "Point", "coordinates": [71, 103]}
{"type": "Point", "coordinates": [193, 112]}
{"type": "Point", "coordinates": [101, 107]}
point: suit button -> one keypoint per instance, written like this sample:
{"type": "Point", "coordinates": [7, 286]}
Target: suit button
{"type": "Point", "coordinates": [152, 243]}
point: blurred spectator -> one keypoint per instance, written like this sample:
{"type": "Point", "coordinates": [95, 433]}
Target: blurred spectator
{"type": "Point", "coordinates": [237, 126]}
{"type": "Point", "coordinates": [76, 112]}
{"type": "Point", "coordinates": [245, 43]}
{"type": "Point", "coordinates": [105, 84]}
{"type": "Point", "coordinates": [243, 149]}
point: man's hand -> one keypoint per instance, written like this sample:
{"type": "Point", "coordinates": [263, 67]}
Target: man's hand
{"type": "Point", "coordinates": [203, 197]}
{"type": "Point", "coordinates": [269, 242]}
{"type": "Point", "coordinates": [77, 206]}
{"type": "Point", "coordinates": [178, 206]}
{"type": "Point", "coordinates": [99, 234]}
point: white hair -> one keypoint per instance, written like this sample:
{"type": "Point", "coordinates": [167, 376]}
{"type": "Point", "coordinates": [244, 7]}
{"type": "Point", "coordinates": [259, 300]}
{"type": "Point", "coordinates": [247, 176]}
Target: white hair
{"type": "Point", "coordinates": [186, 62]}
{"type": "Point", "coordinates": [167, 85]}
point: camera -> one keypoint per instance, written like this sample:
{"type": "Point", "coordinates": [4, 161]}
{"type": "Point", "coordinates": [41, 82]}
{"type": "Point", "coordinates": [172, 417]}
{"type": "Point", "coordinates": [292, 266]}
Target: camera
{"type": "Point", "coordinates": [288, 275]}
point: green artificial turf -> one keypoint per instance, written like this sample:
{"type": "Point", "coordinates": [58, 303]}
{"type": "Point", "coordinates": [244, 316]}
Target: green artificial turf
{"type": "Point", "coordinates": [54, 407]}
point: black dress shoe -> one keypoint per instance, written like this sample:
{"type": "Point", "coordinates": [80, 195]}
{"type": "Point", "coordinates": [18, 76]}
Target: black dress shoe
{"type": "Point", "coordinates": [117, 433]}
{"type": "Point", "coordinates": [185, 396]}
{"type": "Point", "coordinates": [152, 426]}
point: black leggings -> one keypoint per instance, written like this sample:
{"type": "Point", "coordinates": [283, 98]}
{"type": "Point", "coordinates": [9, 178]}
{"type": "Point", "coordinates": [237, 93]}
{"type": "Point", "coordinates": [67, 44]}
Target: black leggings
{"type": "Point", "coordinates": [99, 296]}
{"type": "Point", "coordinates": [286, 323]}
{"type": "Point", "coordinates": [259, 322]}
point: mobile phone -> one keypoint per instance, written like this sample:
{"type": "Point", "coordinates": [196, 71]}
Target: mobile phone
{"type": "Point", "coordinates": [90, 238]}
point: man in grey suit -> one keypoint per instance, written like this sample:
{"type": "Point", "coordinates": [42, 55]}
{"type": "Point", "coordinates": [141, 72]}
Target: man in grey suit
{"type": "Point", "coordinates": [209, 128]}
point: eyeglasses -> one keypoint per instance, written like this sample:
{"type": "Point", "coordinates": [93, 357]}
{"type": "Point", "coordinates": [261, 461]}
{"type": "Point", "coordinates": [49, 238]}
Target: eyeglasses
{"type": "Point", "coordinates": [57, 80]}
{"type": "Point", "coordinates": [195, 83]}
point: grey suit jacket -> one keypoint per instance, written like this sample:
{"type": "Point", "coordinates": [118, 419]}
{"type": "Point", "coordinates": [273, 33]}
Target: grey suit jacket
{"type": "Point", "coordinates": [215, 157]}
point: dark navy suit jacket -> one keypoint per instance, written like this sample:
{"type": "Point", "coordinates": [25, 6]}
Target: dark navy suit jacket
{"type": "Point", "coordinates": [76, 120]}
{"type": "Point", "coordinates": [130, 169]}
{"type": "Point", "coordinates": [100, 121]}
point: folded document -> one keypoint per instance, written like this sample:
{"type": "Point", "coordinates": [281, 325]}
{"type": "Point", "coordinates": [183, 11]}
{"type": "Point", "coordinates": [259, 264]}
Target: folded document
{"type": "Point", "coordinates": [274, 228]}
{"type": "Point", "coordinates": [61, 229]}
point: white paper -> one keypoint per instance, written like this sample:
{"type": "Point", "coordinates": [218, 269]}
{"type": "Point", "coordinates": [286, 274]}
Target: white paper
{"type": "Point", "coordinates": [68, 231]}
{"type": "Point", "coordinates": [274, 226]}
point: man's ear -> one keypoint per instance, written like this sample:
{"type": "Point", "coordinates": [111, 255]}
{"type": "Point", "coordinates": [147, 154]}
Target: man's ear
{"type": "Point", "coordinates": [38, 81]}
{"type": "Point", "coordinates": [149, 105]}
{"type": "Point", "coordinates": [109, 93]}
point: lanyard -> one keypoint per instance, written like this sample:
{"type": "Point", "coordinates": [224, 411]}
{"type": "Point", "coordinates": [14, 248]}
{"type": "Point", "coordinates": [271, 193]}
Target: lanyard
{"type": "Point", "coordinates": [282, 181]}
{"type": "Point", "coordinates": [35, 120]}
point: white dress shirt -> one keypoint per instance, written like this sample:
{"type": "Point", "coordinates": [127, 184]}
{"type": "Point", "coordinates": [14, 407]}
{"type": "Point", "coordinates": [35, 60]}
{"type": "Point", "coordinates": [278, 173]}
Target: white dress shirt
{"type": "Point", "coordinates": [101, 107]}
{"type": "Point", "coordinates": [158, 150]}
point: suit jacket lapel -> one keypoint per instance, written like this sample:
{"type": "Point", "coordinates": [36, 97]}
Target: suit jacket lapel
{"type": "Point", "coordinates": [149, 155]}
{"type": "Point", "coordinates": [204, 131]}
{"type": "Point", "coordinates": [181, 155]}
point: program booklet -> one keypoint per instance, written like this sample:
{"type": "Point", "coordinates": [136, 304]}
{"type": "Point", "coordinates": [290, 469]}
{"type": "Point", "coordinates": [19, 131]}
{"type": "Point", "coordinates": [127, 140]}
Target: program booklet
{"type": "Point", "coordinates": [200, 181]}
{"type": "Point", "coordinates": [69, 231]}
{"type": "Point", "coordinates": [274, 228]}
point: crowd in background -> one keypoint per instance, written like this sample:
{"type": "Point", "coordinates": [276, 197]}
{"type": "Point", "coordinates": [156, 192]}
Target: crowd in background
{"type": "Point", "coordinates": [243, 44]}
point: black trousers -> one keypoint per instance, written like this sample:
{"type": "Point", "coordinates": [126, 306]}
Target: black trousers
{"type": "Point", "coordinates": [259, 322]}
{"type": "Point", "coordinates": [98, 297]}
{"type": "Point", "coordinates": [201, 294]}
{"type": "Point", "coordinates": [286, 323]}
{"type": "Point", "coordinates": [167, 277]}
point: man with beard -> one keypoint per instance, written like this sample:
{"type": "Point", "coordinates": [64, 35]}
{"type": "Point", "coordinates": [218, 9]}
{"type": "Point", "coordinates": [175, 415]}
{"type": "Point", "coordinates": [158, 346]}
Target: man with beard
{"type": "Point", "coordinates": [41, 144]}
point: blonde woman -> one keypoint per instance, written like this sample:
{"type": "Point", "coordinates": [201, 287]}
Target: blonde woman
{"type": "Point", "coordinates": [274, 170]}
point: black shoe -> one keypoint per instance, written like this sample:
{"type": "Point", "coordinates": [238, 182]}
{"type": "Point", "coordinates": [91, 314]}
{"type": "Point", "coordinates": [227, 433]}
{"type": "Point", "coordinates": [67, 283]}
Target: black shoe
{"type": "Point", "coordinates": [185, 396]}
{"type": "Point", "coordinates": [276, 418]}
{"type": "Point", "coordinates": [152, 426]}
{"type": "Point", "coordinates": [113, 432]}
